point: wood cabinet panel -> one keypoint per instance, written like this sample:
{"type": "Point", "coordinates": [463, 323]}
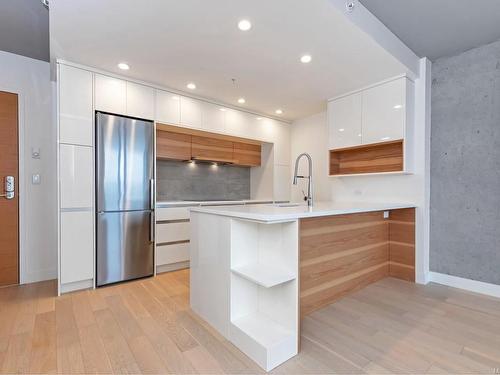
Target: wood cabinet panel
{"type": "Point", "coordinates": [375, 158]}
{"type": "Point", "coordinates": [170, 145]}
{"type": "Point", "coordinates": [247, 154]}
{"type": "Point", "coordinates": [206, 148]}
{"type": "Point", "coordinates": [342, 254]}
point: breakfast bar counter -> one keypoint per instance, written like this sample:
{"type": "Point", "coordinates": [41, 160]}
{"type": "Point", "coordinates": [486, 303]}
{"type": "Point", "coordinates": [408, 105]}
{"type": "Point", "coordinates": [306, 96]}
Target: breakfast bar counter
{"type": "Point", "coordinates": [256, 270]}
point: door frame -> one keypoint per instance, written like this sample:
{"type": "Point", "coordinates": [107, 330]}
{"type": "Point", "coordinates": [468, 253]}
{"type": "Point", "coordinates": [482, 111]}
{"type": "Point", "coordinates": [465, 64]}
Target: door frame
{"type": "Point", "coordinates": [21, 187]}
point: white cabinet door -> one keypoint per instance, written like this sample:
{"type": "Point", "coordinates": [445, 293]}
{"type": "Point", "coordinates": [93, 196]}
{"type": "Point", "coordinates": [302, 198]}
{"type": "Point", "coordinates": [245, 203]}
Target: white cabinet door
{"type": "Point", "coordinates": [344, 121]}
{"type": "Point", "coordinates": [75, 106]}
{"type": "Point", "coordinates": [384, 112]}
{"type": "Point", "coordinates": [140, 101]}
{"type": "Point", "coordinates": [168, 107]}
{"type": "Point", "coordinates": [191, 112]}
{"type": "Point", "coordinates": [77, 246]}
{"type": "Point", "coordinates": [213, 117]}
{"type": "Point", "coordinates": [76, 176]}
{"type": "Point", "coordinates": [110, 94]}
{"type": "Point", "coordinates": [238, 123]}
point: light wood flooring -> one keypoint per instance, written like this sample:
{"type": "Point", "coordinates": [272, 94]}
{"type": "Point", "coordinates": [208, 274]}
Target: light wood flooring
{"type": "Point", "coordinates": [146, 326]}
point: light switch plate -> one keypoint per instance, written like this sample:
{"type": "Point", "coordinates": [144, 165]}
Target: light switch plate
{"type": "Point", "coordinates": [36, 179]}
{"type": "Point", "coordinates": [386, 214]}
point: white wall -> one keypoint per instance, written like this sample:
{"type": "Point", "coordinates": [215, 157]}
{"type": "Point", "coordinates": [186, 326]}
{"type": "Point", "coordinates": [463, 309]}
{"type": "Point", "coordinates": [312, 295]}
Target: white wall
{"type": "Point", "coordinates": [30, 79]}
{"type": "Point", "coordinates": [311, 135]}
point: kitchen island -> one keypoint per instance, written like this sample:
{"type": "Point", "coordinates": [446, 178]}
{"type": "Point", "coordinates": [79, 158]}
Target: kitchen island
{"type": "Point", "coordinates": [256, 270]}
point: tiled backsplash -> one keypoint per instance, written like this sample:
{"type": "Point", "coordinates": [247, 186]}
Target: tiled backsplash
{"type": "Point", "coordinates": [201, 181]}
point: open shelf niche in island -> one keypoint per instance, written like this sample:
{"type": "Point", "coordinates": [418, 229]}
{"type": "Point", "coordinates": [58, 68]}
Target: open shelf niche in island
{"type": "Point", "coordinates": [264, 290]}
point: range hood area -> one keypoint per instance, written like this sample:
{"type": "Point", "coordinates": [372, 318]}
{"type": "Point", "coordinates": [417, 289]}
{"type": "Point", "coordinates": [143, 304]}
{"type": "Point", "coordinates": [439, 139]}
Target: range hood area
{"type": "Point", "coordinates": [176, 143]}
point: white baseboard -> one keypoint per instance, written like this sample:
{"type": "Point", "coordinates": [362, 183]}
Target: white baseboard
{"type": "Point", "coordinates": [466, 284]}
{"type": "Point", "coordinates": [77, 285]}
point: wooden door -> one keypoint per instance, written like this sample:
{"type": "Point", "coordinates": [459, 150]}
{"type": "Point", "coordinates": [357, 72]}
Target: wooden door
{"type": "Point", "coordinates": [9, 208]}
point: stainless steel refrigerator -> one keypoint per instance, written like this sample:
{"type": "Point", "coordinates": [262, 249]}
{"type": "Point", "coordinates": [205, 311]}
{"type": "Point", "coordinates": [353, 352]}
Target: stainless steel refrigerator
{"type": "Point", "coordinates": [125, 198]}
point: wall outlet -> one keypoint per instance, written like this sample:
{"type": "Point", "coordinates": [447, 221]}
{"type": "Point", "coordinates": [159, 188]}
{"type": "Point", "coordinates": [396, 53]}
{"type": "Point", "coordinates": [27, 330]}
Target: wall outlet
{"type": "Point", "coordinates": [36, 179]}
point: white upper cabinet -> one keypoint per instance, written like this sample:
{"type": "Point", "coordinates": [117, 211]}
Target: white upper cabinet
{"type": "Point", "coordinates": [75, 106]}
{"type": "Point", "coordinates": [344, 118]}
{"type": "Point", "coordinates": [140, 101]}
{"type": "Point", "coordinates": [110, 94]}
{"type": "Point", "coordinates": [239, 123]}
{"type": "Point", "coordinates": [191, 112]}
{"type": "Point", "coordinates": [383, 114]}
{"type": "Point", "coordinates": [168, 107]}
{"type": "Point", "coordinates": [213, 117]}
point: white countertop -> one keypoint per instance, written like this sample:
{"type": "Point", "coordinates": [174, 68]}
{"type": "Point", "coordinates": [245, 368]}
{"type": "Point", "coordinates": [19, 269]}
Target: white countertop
{"type": "Point", "coordinates": [166, 204]}
{"type": "Point", "coordinates": [276, 213]}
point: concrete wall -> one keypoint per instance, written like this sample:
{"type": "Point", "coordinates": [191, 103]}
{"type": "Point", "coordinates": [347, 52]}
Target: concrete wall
{"type": "Point", "coordinates": [201, 181]}
{"type": "Point", "coordinates": [30, 79]}
{"type": "Point", "coordinates": [465, 165]}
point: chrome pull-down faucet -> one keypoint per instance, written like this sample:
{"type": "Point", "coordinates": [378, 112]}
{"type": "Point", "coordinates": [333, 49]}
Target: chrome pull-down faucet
{"type": "Point", "coordinates": [309, 196]}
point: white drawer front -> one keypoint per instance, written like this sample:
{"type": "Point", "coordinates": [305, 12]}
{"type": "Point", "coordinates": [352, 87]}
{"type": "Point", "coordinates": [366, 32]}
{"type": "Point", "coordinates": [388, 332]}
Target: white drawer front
{"type": "Point", "coordinates": [171, 232]}
{"type": "Point", "coordinates": [172, 213]}
{"type": "Point", "coordinates": [168, 254]}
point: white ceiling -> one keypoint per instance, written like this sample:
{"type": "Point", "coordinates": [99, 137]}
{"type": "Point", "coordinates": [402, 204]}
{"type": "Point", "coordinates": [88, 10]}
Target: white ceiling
{"type": "Point", "coordinates": [438, 28]}
{"type": "Point", "coordinates": [172, 42]}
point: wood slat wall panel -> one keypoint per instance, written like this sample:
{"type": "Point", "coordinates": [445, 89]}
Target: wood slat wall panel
{"type": "Point", "coordinates": [342, 254]}
{"type": "Point", "coordinates": [374, 158]}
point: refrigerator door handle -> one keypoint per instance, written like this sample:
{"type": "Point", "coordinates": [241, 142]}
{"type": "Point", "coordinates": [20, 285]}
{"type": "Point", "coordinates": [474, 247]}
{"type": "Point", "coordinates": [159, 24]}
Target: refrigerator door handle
{"type": "Point", "coordinates": [152, 227]}
{"type": "Point", "coordinates": [152, 194]}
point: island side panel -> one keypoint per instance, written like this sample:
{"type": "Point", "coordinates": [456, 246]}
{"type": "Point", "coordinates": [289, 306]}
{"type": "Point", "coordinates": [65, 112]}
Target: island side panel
{"type": "Point", "coordinates": [210, 269]}
{"type": "Point", "coordinates": [342, 254]}
{"type": "Point", "coordinates": [402, 244]}
{"type": "Point", "coordinates": [339, 255]}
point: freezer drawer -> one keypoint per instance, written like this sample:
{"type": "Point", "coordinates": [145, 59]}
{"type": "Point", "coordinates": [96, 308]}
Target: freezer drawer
{"type": "Point", "coordinates": [125, 248]}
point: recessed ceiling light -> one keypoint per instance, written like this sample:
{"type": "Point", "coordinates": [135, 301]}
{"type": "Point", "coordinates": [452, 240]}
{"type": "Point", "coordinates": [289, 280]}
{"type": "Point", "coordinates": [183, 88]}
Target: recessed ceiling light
{"type": "Point", "coordinates": [279, 111]}
{"type": "Point", "coordinates": [241, 100]}
{"type": "Point", "coordinates": [306, 59]}
{"type": "Point", "coordinates": [398, 106]}
{"type": "Point", "coordinates": [259, 118]}
{"type": "Point", "coordinates": [222, 109]}
{"type": "Point", "coordinates": [123, 66]}
{"type": "Point", "coordinates": [244, 25]}
{"type": "Point", "coordinates": [191, 86]}
{"type": "Point", "coordinates": [341, 129]}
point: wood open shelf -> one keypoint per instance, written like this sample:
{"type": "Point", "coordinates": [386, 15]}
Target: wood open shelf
{"type": "Point", "coordinates": [372, 158]}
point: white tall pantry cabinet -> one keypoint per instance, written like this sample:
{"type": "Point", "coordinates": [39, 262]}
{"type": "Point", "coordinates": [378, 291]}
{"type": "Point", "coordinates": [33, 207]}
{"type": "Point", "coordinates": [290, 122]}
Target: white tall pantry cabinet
{"type": "Point", "coordinates": [76, 178]}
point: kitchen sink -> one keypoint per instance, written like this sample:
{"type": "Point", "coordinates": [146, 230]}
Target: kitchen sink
{"type": "Point", "coordinates": [288, 205]}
